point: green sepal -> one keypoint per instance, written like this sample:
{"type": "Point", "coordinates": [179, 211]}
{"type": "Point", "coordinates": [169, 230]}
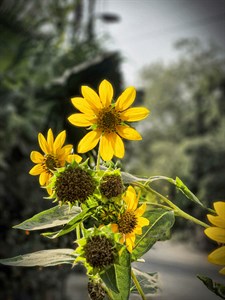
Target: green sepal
{"type": "Point", "coordinates": [215, 287]}
{"type": "Point", "coordinates": [55, 216]}
{"type": "Point", "coordinates": [160, 223]}
{"type": "Point", "coordinates": [44, 258]}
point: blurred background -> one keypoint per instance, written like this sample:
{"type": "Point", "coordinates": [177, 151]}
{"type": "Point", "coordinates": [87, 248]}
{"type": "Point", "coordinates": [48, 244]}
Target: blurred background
{"type": "Point", "coordinates": [172, 51]}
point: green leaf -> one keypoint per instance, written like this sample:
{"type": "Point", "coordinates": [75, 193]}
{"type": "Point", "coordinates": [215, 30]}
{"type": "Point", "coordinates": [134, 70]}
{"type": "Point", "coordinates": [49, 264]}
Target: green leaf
{"type": "Point", "coordinates": [109, 278]}
{"type": "Point", "coordinates": [55, 216]}
{"type": "Point", "coordinates": [44, 258]}
{"type": "Point", "coordinates": [147, 281]}
{"type": "Point", "coordinates": [118, 277]}
{"type": "Point", "coordinates": [184, 189]}
{"type": "Point", "coordinates": [215, 287]}
{"type": "Point", "coordinates": [71, 225]}
{"type": "Point", "coordinates": [160, 223]}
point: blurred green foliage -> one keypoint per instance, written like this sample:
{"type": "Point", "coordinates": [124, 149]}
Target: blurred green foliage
{"type": "Point", "coordinates": [39, 41]}
{"type": "Point", "coordinates": [184, 135]}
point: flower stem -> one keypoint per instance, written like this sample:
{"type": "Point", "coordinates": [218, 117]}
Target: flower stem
{"type": "Point", "coordinates": [98, 159]}
{"type": "Point", "coordinates": [78, 231]}
{"type": "Point", "coordinates": [137, 284]}
{"type": "Point", "coordinates": [179, 211]}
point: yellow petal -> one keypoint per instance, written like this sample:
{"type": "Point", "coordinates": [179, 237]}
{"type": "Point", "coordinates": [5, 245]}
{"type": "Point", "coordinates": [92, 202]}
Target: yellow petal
{"type": "Point", "coordinates": [217, 221]}
{"type": "Point", "coordinates": [91, 97]}
{"type": "Point", "coordinates": [81, 120]}
{"type": "Point", "coordinates": [73, 157]}
{"type": "Point", "coordinates": [36, 170]}
{"type": "Point", "coordinates": [140, 210]}
{"type": "Point", "coordinates": [217, 256]}
{"type": "Point", "coordinates": [44, 178]}
{"type": "Point", "coordinates": [143, 222]}
{"type": "Point", "coordinates": [82, 105]}
{"type": "Point", "coordinates": [128, 133]}
{"type": "Point", "coordinates": [130, 198]}
{"type": "Point", "coordinates": [134, 114]}
{"type": "Point", "coordinates": [220, 208]}
{"type": "Point", "coordinates": [50, 139]}
{"type": "Point", "coordinates": [118, 145]}
{"type": "Point", "coordinates": [36, 157]}
{"type": "Point", "coordinates": [114, 228]}
{"type": "Point", "coordinates": [125, 99]}
{"type": "Point", "coordinates": [59, 141]}
{"type": "Point", "coordinates": [130, 239]}
{"type": "Point", "coordinates": [216, 234]}
{"type": "Point", "coordinates": [63, 152]}
{"type": "Point", "coordinates": [89, 141]}
{"type": "Point", "coordinates": [43, 143]}
{"type": "Point", "coordinates": [106, 93]}
{"type": "Point", "coordinates": [222, 271]}
{"type": "Point", "coordinates": [106, 149]}
{"type": "Point", "coordinates": [138, 230]}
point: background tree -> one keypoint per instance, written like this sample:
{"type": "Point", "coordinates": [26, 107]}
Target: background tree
{"type": "Point", "coordinates": [184, 135]}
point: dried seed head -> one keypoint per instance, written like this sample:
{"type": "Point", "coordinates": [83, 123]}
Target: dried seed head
{"type": "Point", "coordinates": [74, 184]}
{"type": "Point", "coordinates": [99, 251]}
{"type": "Point", "coordinates": [111, 186]}
{"type": "Point", "coordinates": [95, 291]}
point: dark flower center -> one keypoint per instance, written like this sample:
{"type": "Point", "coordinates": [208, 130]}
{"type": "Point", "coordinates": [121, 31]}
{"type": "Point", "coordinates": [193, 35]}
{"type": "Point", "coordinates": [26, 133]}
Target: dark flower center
{"type": "Point", "coordinates": [127, 222]}
{"type": "Point", "coordinates": [111, 186]}
{"type": "Point", "coordinates": [108, 119]}
{"type": "Point", "coordinates": [99, 251]}
{"type": "Point", "coordinates": [51, 162]}
{"type": "Point", "coordinates": [74, 184]}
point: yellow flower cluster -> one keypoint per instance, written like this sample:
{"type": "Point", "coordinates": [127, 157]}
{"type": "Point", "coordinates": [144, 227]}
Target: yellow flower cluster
{"type": "Point", "coordinates": [108, 123]}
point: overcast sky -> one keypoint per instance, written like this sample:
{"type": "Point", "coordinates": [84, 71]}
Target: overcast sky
{"type": "Point", "coordinates": [148, 29]}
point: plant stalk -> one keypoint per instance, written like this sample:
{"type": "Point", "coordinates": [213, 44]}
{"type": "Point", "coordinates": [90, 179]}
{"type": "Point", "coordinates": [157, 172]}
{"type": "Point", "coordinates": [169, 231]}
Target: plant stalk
{"type": "Point", "coordinates": [179, 211]}
{"type": "Point", "coordinates": [137, 284]}
{"type": "Point", "coordinates": [98, 159]}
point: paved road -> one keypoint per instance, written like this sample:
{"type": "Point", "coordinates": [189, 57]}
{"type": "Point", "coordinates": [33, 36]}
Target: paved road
{"type": "Point", "coordinates": [177, 266]}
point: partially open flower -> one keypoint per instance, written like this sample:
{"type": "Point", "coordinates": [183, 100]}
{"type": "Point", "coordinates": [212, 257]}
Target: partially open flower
{"type": "Point", "coordinates": [131, 221]}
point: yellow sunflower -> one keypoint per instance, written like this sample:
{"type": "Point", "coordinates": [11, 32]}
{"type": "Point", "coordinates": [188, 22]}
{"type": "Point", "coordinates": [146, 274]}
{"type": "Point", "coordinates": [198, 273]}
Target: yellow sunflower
{"type": "Point", "coordinates": [108, 120]}
{"type": "Point", "coordinates": [55, 156]}
{"type": "Point", "coordinates": [217, 233]}
{"type": "Point", "coordinates": [131, 221]}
